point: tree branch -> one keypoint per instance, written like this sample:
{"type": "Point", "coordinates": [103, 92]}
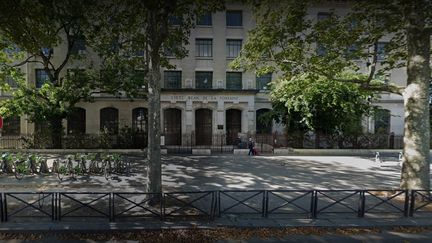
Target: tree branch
{"type": "Point", "coordinates": [23, 62]}
{"type": "Point", "coordinates": [391, 88]}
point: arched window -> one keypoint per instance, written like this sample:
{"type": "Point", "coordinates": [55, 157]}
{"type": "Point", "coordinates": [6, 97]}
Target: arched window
{"type": "Point", "coordinates": [382, 121]}
{"type": "Point", "coordinates": [76, 121]}
{"type": "Point", "coordinates": [263, 121]}
{"type": "Point", "coordinates": [109, 120]}
{"type": "Point", "coordinates": [139, 119]}
{"type": "Point", "coordinates": [11, 126]}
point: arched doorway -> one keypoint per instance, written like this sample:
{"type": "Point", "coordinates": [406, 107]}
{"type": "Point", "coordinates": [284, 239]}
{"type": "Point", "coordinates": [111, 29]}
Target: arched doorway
{"type": "Point", "coordinates": [172, 126]}
{"type": "Point", "coordinates": [109, 120]}
{"type": "Point", "coordinates": [76, 121]}
{"type": "Point", "coordinates": [233, 125]}
{"type": "Point", "coordinates": [139, 120]}
{"type": "Point", "coordinates": [203, 126]}
{"type": "Point", "coordinates": [139, 127]}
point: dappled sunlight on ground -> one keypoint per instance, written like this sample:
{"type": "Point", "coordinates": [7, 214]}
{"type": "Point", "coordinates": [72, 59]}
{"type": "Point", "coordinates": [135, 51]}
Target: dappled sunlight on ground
{"type": "Point", "coordinates": [276, 172]}
{"type": "Point", "coordinates": [229, 172]}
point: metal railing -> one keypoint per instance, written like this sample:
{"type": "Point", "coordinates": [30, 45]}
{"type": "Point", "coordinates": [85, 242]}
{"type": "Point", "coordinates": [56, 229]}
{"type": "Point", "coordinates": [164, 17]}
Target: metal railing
{"type": "Point", "coordinates": [299, 204]}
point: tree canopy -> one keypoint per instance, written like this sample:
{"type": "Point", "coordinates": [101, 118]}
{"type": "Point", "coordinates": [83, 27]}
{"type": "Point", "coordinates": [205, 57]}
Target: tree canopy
{"type": "Point", "coordinates": [361, 48]}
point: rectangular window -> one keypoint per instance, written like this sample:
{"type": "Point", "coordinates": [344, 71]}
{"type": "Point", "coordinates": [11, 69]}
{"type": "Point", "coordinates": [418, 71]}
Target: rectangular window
{"type": "Point", "coordinates": [263, 80]}
{"type": "Point", "coordinates": [203, 80]}
{"type": "Point", "coordinates": [234, 80]}
{"type": "Point", "coordinates": [172, 79]}
{"type": "Point", "coordinates": [204, 47]}
{"type": "Point", "coordinates": [380, 51]}
{"type": "Point", "coordinates": [41, 77]}
{"type": "Point", "coordinates": [171, 49]}
{"type": "Point", "coordinates": [234, 18]}
{"type": "Point", "coordinates": [139, 53]}
{"type": "Point", "coordinates": [11, 82]}
{"type": "Point", "coordinates": [352, 49]}
{"type": "Point", "coordinates": [79, 45]}
{"type": "Point", "coordinates": [205, 20]}
{"type": "Point", "coordinates": [168, 52]}
{"type": "Point", "coordinates": [174, 20]}
{"type": "Point", "coordinates": [47, 51]}
{"type": "Point", "coordinates": [321, 50]}
{"type": "Point", "coordinates": [233, 48]}
{"type": "Point", "coordinates": [323, 16]}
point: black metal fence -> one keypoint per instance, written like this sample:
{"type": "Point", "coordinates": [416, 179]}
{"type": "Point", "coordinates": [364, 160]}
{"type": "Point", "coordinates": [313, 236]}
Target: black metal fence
{"type": "Point", "coordinates": [217, 143]}
{"type": "Point", "coordinates": [265, 142]}
{"type": "Point", "coordinates": [77, 141]}
{"type": "Point", "coordinates": [87, 206]}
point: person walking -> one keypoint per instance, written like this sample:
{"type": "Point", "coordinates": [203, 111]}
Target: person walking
{"type": "Point", "coordinates": [251, 146]}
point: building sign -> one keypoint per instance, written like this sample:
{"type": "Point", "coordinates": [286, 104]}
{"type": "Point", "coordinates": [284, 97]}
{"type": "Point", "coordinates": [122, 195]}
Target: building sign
{"type": "Point", "coordinates": [203, 98]}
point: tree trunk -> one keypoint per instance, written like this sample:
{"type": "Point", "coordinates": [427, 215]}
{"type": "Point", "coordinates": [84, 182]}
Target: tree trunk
{"type": "Point", "coordinates": [154, 172]}
{"type": "Point", "coordinates": [56, 132]}
{"type": "Point", "coordinates": [415, 170]}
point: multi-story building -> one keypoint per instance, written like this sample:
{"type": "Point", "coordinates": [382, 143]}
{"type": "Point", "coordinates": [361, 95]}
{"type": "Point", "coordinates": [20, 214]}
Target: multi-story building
{"type": "Point", "coordinates": [203, 99]}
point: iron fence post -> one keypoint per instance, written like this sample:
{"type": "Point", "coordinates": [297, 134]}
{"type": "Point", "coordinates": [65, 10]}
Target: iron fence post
{"type": "Point", "coordinates": [264, 201]}
{"type": "Point", "coordinates": [412, 203]}
{"type": "Point", "coordinates": [56, 205]}
{"type": "Point", "coordinates": [163, 206]}
{"type": "Point", "coordinates": [52, 207]}
{"type": "Point", "coordinates": [406, 203]}
{"type": "Point", "coordinates": [5, 216]}
{"type": "Point", "coordinates": [219, 203]}
{"type": "Point", "coordinates": [111, 207]}
{"type": "Point", "coordinates": [212, 206]}
{"type": "Point", "coordinates": [314, 204]}
{"type": "Point", "coordinates": [361, 205]}
{"type": "Point", "coordinates": [59, 207]}
{"type": "Point", "coordinates": [1, 207]}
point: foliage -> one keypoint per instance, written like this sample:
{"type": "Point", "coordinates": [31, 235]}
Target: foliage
{"type": "Point", "coordinates": [287, 41]}
{"type": "Point", "coordinates": [29, 32]}
{"type": "Point", "coordinates": [322, 104]}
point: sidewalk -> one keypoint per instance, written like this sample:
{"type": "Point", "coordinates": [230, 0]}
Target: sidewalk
{"type": "Point", "coordinates": [224, 222]}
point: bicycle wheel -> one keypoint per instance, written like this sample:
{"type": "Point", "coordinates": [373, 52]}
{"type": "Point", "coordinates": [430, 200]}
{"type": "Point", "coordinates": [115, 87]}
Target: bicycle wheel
{"type": "Point", "coordinates": [70, 169]}
{"type": "Point", "coordinates": [18, 171]}
{"type": "Point", "coordinates": [107, 170]}
{"type": "Point", "coordinates": [58, 170]}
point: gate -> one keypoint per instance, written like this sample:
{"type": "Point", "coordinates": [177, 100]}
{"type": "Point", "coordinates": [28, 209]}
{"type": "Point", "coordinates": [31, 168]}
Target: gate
{"type": "Point", "coordinates": [172, 126]}
{"type": "Point", "coordinates": [233, 125]}
{"type": "Point", "coordinates": [203, 126]}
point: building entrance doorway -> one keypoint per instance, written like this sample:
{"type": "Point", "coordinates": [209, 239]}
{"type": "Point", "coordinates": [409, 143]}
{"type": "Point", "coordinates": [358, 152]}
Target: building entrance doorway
{"type": "Point", "coordinates": [203, 126]}
{"type": "Point", "coordinates": [233, 125]}
{"type": "Point", "coordinates": [172, 126]}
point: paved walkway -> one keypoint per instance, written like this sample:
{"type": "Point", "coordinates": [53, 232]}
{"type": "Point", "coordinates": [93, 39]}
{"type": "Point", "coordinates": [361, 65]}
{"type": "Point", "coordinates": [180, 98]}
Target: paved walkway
{"type": "Point", "coordinates": [224, 172]}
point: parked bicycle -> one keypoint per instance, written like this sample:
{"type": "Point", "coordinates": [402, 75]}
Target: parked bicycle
{"type": "Point", "coordinates": [95, 164]}
{"type": "Point", "coordinates": [64, 168]}
{"type": "Point", "coordinates": [21, 166]}
{"type": "Point", "coordinates": [7, 163]}
{"type": "Point", "coordinates": [114, 163]}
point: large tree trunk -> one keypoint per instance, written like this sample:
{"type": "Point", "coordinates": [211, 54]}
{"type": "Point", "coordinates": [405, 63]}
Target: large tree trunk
{"type": "Point", "coordinates": [415, 169]}
{"type": "Point", "coordinates": [154, 172]}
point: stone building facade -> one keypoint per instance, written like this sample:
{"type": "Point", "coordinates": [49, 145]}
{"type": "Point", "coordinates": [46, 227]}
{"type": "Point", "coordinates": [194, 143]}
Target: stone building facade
{"type": "Point", "coordinates": [203, 97]}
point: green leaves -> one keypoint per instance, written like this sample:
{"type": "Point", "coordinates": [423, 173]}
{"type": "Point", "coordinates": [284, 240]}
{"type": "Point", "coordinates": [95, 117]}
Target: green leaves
{"type": "Point", "coordinates": [322, 104]}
